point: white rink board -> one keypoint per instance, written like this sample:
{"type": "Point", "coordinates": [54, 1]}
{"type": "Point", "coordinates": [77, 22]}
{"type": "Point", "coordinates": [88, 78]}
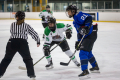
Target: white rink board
{"type": "Point", "coordinates": [103, 16]}
{"type": "Point", "coordinates": [106, 51]}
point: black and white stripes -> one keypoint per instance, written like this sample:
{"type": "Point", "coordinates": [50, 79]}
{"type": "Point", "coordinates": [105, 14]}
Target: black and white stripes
{"type": "Point", "coordinates": [21, 31]}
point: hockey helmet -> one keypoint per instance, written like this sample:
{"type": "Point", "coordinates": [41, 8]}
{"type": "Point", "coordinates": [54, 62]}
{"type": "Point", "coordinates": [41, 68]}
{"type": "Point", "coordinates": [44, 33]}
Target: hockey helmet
{"type": "Point", "coordinates": [52, 27]}
{"type": "Point", "coordinates": [47, 6]}
{"type": "Point", "coordinates": [71, 8]}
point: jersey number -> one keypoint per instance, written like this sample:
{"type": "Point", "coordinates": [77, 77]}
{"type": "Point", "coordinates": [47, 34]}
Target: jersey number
{"type": "Point", "coordinates": [84, 17]}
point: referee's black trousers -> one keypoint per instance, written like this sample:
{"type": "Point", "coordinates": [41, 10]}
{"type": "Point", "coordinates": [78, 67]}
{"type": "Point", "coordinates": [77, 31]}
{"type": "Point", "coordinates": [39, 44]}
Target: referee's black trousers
{"type": "Point", "coordinates": [21, 46]}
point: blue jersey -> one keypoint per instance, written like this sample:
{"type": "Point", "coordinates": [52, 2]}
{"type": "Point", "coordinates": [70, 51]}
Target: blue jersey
{"type": "Point", "coordinates": [82, 19]}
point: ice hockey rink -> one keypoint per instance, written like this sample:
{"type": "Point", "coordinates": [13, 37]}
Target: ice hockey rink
{"type": "Point", "coordinates": [106, 50]}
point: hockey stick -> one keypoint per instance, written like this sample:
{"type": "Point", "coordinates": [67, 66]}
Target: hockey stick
{"type": "Point", "coordinates": [23, 68]}
{"type": "Point", "coordinates": [66, 64]}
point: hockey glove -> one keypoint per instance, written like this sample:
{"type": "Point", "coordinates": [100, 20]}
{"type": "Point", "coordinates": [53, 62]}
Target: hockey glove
{"type": "Point", "coordinates": [43, 18]}
{"type": "Point", "coordinates": [85, 30]}
{"type": "Point", "coordinates": [68, 33]}
{"type": "Point", "coordinates": [46, 50]}
{"type": "Point", "coordinates": [76, 45]}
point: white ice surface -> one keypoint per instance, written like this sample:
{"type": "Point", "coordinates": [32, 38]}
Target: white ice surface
{"type": "Point", "coordinates": [106, 50]}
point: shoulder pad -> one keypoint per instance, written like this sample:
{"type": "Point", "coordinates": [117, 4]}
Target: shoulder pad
{"type": "Point", "coordinates": [44, 11]}
{"type": "Point", "coordinates": [60, 25]}
{"type": "Point", "coordinates": [47, 31]}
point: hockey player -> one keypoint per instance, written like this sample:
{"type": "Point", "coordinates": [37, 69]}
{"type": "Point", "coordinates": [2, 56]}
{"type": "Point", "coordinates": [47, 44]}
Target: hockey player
{"type": "Point", "coordinates": [83, 24]}
{"type": "Point", "coordinates": [54, 35]}
{"type": "Point", "coordinates": [18, 43]}
{"type": "Point", "coordinates": [45, 14]}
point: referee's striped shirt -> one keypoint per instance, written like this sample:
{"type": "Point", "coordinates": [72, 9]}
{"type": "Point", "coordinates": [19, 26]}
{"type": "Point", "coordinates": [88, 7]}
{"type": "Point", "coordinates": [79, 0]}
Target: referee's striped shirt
{"type": "Point", "coordinates": [21, 31]}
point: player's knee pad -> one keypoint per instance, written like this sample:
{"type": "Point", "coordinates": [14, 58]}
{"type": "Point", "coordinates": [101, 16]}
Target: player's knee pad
{"type": "Point", "coordinates": [64, 46]}
{"type": "Point", "coordinates": [46, 52]}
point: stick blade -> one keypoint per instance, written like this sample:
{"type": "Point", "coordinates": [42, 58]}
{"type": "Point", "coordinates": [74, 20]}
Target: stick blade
{"type": "Point", "coordinates": [22, 68]}
{"type": "Point", "coordinates": [64, 64]}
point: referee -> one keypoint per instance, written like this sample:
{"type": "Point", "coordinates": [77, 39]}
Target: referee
{"type": "Point", "coordinates": [18, 43]}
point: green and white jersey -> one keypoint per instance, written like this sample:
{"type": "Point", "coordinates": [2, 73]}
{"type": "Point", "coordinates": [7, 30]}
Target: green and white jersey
{"type": "Point", "coordinates": [46, 14]}
{"type": "Point", "coordinates": [57, 35]}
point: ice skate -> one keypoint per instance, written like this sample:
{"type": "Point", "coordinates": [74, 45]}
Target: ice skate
{"type": "Point", "coordinates": [95, 69]}
{"type": "Point", "coordinates": [77, 64]}
{"type": "Point", "coordinates": [0, 76]}
{"type": "Point", "coordinates": [32, 77]}
{"type": "Point", "coordinates": [84, 75]}
{"type": "Point", "coordinates": [49, 65]}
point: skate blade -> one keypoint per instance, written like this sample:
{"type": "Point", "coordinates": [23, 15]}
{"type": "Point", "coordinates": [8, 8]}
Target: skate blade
{"type": "Point", "coordinates": [32, 78]}
{"type": "Point", "coordinates": [78, 66]}
{"type": "Point", "coordinates": [95, 71]}
{"type": "Point", "coordinates": [0, 76]}
{"type": "Point", "coordinates": [48, 68]}
{"type": "Point", "coordinates": [84, 77]}
{"type": "Point", "coordinates": [22, 68]}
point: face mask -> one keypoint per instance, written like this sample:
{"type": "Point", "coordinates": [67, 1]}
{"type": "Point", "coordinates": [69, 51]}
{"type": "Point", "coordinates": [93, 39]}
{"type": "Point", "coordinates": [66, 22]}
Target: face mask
{"type": "Point", "coordinates": [52, 28]}
{"type": "Point", "coordinates": [48, 10]}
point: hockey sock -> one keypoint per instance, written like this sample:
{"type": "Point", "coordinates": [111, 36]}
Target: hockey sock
{"type": "Point", "coordinates": [70, 54]}
{"type": "Point", "coordinates": [49, 58]}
